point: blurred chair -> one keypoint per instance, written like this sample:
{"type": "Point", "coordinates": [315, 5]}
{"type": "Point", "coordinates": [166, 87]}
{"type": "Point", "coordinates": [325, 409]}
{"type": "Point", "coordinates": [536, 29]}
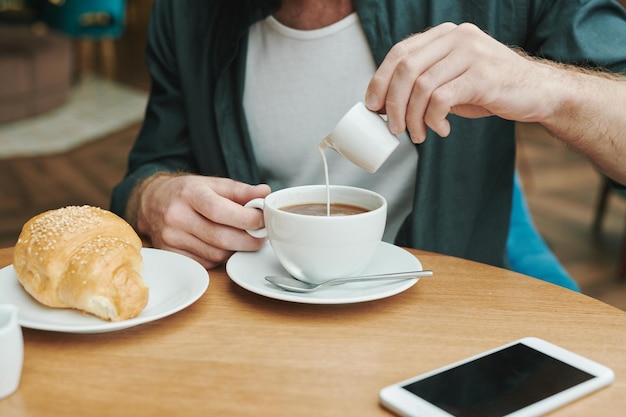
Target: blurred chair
{"type": "Point", "coordinates": [527, 251]}
{"type": "Point", "coordinates": [17, 12]}
{"type": "Point", "coordinates": [609, 187]}
{"type": "Point", "coordinates": [94, 19]}
{"type": "Point", "coordinates": [94, 25]}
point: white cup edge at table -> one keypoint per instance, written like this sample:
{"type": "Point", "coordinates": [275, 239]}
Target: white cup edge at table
{"type": "Point", "coordinates": [11, 350]}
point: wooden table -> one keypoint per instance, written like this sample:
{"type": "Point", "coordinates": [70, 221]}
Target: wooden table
{"type": "Point", "coordinates": [235, 353]}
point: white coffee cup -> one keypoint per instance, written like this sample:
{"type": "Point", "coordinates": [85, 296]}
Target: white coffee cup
{"type": "Point", "coordinates": [317, 248]}
{"type": "Point", "coordinates": [362, 137]}
{"type": "Point", "coordinates": [11, 350]}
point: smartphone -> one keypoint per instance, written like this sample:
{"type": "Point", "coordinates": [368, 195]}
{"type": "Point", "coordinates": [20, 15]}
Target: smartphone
{"type": "Point", "coordinates": [528, 377]}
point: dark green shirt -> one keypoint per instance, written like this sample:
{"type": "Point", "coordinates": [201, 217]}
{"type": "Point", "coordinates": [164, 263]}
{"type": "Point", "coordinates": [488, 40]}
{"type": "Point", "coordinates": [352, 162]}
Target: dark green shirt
{"type": "Point", "coordinates": [195, 120]}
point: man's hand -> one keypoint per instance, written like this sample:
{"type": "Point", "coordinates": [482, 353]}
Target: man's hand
{"type": "Point", "coordinates": [201, 217]}
{"type": "Point", "coordinates": [456, 69]}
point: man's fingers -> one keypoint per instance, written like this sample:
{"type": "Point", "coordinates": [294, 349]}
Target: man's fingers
{"type": "Point", "coordinates": [210, 243]}
{"type": "Point", "coordinates": [238, 191]}
{"type": "Point", "coordinates": [430, 89]}
{"type": "Point", "coordinates": [376, 97]}
{"type": "Point", "coordinates": [222, 203]}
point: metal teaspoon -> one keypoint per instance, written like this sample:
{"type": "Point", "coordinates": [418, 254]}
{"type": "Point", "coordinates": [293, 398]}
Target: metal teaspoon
{"type": "Point", "coordinates": [289, 283]}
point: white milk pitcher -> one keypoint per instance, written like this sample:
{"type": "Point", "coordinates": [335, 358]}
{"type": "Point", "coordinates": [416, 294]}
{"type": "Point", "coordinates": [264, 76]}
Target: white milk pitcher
{"type": "Point", "coordinates": [362, 137]}
{"type": "Point", "coordinates": [11, 350]}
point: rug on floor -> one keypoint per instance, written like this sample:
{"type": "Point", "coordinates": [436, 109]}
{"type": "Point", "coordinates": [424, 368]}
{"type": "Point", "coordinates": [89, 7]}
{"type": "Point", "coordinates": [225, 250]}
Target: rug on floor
{"type": "Point", "coordinates": [96, 108]}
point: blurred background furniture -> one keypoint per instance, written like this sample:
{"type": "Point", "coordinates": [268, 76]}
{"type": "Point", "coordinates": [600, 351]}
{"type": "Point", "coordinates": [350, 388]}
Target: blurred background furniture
{"type": "Point", "coordinates": [609, 188]}
{"type": "Point", "coordinates": [94, 19]}
{"type": "Point", "coordinates": [94, 25]}
{"type": "Point", "coordinates": [40, 44]}
{"type": "Point", "coordinates": [35, 71]}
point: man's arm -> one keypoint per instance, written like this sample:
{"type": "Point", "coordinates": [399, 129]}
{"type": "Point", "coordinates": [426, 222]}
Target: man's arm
{"type": "Point", "coordinates": [591, 117]}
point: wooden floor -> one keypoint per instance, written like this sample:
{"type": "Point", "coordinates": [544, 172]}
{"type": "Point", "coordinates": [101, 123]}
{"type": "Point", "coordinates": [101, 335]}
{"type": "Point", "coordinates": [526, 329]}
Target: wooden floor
{"type": "Point", "coordinates": [561, 187]}
{"type": "Point", "coordinates": [29, 186]}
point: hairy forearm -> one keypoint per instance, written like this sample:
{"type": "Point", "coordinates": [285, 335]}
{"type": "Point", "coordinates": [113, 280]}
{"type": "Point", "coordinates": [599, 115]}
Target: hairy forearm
{"type": "Point", "coordinates": [590, 116]}
{"type": "Point", "coordinates": [134, 205]}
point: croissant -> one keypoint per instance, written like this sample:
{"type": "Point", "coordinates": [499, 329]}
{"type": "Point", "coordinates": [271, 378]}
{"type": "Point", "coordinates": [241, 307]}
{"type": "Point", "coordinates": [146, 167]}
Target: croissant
{"type": "Point", "coordinates": [84, 258]}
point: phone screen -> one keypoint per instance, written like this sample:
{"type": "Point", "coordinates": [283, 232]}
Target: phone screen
{"type": "Point", "coordinates": [499, 383]}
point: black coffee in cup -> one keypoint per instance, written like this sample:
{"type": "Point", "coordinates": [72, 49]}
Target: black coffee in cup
{"type": "Point", "coordinates": [321, 209]}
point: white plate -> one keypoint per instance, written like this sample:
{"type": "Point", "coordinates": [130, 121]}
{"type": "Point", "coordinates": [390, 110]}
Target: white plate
{"type": "Point", "coordinates": [174, 280]}
{"type": "Point", "coordinates": [248, 269]}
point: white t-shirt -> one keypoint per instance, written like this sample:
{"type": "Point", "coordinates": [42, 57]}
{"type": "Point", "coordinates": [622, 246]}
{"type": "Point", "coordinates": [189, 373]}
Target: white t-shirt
{"type": "Point", "coordinates": [298, 85]}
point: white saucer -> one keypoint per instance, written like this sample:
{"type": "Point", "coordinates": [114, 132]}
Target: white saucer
{"type": "Point", "coordinates": [175, 282]}
{"type": "Point", "coordinates": [248, 269]}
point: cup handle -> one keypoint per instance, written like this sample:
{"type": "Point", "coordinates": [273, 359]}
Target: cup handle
{"type": "Point", "coordinates": [257, 203]}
